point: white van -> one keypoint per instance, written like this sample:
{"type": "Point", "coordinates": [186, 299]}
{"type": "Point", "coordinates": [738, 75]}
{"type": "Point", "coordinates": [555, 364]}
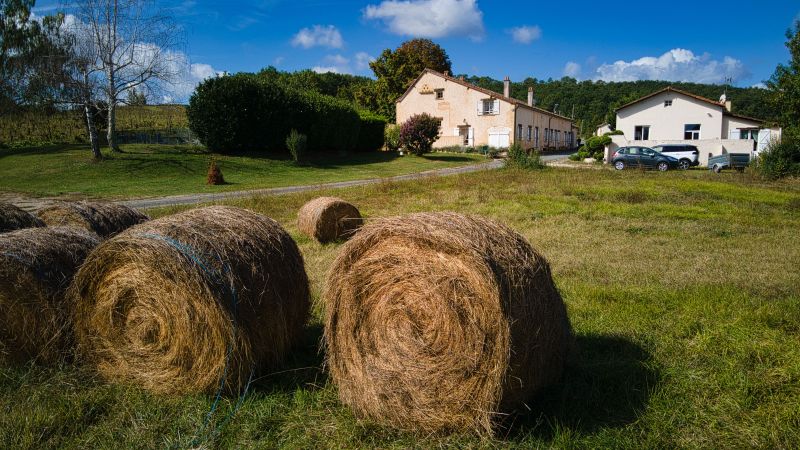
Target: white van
{"type": "Point", "coordinates": [687, 155]}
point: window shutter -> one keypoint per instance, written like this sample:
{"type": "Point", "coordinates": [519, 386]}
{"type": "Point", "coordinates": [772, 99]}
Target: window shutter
{"type": "Point", "coordinates": [480, 107]}
{"type": "Point", "coordinates": [455, 131]}
{"type": "Point", "coordinates": [496, 107]}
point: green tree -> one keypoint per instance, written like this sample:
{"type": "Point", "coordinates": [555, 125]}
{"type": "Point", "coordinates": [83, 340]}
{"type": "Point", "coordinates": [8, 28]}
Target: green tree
{"type": "Point", "coordinates": [785, 86]}
{"type": "Point", "coordinates": [396, 70]}
{"type": "Point", "coordinates": [31, 60]}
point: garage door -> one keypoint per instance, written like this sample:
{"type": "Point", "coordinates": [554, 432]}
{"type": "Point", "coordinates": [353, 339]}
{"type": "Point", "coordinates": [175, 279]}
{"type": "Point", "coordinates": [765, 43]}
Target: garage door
{"type": "Point", "coordinates": [498, 140]}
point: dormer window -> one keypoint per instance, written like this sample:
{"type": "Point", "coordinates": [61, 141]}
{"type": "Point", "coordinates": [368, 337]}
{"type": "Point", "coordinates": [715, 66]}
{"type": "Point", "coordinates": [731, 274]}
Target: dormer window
{"type": "Point", "coordinates": [667, 103]}
{"type": "Point", "coordinates": [439, 94]}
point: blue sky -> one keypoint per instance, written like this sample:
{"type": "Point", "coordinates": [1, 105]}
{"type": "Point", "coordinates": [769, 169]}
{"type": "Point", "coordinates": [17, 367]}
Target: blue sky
{"type": "Point", "coordinates": [676, 40]}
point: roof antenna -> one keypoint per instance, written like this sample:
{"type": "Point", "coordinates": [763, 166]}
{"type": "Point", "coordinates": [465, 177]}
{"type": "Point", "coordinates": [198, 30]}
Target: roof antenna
{"type": "Point", "coordinates": [728, 82]}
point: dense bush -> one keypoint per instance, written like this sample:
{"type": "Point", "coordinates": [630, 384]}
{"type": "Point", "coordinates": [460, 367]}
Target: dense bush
{"type": "Point", "coordinates": [245, 112]}
{"type": "Point", "coordinates": [329, 123]}
{"type": "Point", "coordinates": [418, 133]}
{"type": "Point", "coordinates": [239, 112]}
{"type": "Point", "coordinates": [779, 159]}
{"type": "Point", "coordinates": [370, 134]}
{"type": "Point", "coordinates": [614, 133]}
{"type": "Point", "coordinates": [519, 158]}
{"type": "Point", "coordinates": [391, 137]}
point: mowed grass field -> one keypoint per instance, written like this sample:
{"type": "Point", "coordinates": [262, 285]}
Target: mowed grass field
{"type": "Point", "coordinates": [683, 289]}
{"type": "Point", "coordinates": [157, 170]}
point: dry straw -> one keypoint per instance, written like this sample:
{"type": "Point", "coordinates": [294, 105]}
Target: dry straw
{"type": "Point", "coordinates": [13, 218]}
{"type": "Point", "coordinates": [193, 302]}
{"type": "Point", "coordinates": [105, 219]}
{"type": "Point", "coordinates": [442, 322]}
{"type": "Point", "coordinates": [328, 219]}
{"type": "Point", "coordinates": [36, 267]}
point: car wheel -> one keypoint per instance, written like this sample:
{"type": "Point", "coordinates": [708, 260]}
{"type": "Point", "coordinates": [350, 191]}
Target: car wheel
{"type": "Point", "coordinates": [663, 166]}
{"type": "Point", "coordinates": [684, 164]}
{"type": "Point", "coordinates": [716, 169]}
{"type": "Point", "coordinates": [619, 165]}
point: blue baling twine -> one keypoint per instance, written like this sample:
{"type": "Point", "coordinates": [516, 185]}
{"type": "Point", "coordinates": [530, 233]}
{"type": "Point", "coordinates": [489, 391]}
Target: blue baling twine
{"type": "Point", "coordinates": [219, 279]}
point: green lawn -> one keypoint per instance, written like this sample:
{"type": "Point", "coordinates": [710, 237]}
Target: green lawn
{"type": "Point", "coordinates": [155, 170]}
{"type": "Point", "coordinates": [683, 289]}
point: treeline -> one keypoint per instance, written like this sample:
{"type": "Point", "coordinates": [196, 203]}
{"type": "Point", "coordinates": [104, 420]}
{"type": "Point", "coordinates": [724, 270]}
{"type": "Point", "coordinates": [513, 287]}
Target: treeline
{"type": "Point", "coordinates": [593, 102]}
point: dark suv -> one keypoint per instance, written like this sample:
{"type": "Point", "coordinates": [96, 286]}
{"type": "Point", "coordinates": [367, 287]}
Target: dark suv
{"type": "Point", "coordinates": [687, 155]}
{"type": "Point", "coordinates": [644, 157]}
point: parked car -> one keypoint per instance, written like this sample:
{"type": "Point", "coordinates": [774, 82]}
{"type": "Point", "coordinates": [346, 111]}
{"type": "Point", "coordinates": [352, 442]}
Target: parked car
{"type": "Point", "coordinates": [644, 157]}
{"type": "Point", "coordinates": [687, 155]}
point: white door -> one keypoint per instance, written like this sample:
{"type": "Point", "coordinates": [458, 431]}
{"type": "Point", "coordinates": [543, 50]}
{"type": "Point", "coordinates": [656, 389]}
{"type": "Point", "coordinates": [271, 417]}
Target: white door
{"type": "Point", "coordinates": [498, 140]}
{"type": "Point", "coordinates": [764, 137]}
{"type": "Point", "coordinates": [471, 136]}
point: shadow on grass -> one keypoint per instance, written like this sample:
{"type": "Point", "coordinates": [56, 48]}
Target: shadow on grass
{"type": "Point", "coordinates": [447, 158]}
{"type": "Point", "coordinates": [303, 367]}
{"type": "Point", "coordinates": [607, 383]}
{"type": "Point", "coordinates": [47, 149]}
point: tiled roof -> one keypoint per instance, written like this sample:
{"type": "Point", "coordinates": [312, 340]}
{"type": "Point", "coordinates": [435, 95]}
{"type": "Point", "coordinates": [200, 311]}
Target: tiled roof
{"type": "Point", "coordinates": [677, 91]}
{"type": "Point", "coordinates": [488, 92]}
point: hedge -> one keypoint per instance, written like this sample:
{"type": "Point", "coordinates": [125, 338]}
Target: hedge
{"type": "Point", "coordinates": [246, 112]}
{"type": "Point", "coordinates": [370, 135]}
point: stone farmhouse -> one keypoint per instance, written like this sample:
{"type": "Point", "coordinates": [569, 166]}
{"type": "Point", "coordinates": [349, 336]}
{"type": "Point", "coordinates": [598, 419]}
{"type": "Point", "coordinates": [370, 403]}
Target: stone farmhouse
{"type": "Point", "coordinates": [474, 116]}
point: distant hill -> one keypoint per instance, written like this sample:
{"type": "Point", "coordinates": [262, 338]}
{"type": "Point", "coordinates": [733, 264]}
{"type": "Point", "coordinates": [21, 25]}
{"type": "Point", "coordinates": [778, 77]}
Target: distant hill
{"type": "Point", "coordinates": [594, 102]}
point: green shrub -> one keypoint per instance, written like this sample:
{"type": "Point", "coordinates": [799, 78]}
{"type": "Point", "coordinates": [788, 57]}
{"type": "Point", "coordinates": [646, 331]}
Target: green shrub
{"type": "Point", "coordinates": [239, 112]}
{"type": "Point", "coordinates": [329, 123]}
{"type": "Point", "coordinates": [779, 159]}
{"type": "Point", "coordinates": [574, 157]}
{"type": "Point", "coordinates": [418, 133]}
{"type": "Point", "coordinates": [519, 158]}
{"type": "Point", "coordinates": [582, 154]}
{"type": "Point", "coordinates": [598, 156]}
{"type": "Point", "coordinates": [245, 112]}
{"type": "Point", "coordinates": [297, 144]}
{"type": "Point", "coordinates": [614, 133]}
{"type": "Point", "coordinates": [370, 134]}
{"type": "Point", "coordinates": [596, 144]}
{"type": "Point", "coordinates": [391, 136]}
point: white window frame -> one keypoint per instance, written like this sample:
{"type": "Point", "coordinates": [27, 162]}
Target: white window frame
{"type": "Point", "coordinates": [667, 103]}
{"type": "Point", "coordinates": [439, 94]}
{"type": "Point", "coordinates": [642, 133]}
{"type": "Point", "coordinates": [695, 134]}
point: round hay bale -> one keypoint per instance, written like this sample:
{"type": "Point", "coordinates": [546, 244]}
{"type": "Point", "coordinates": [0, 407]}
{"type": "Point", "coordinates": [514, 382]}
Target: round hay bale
{"type": "Point", "coordinates": [14, 218]}
{"type": "Point", "coordinates": [36, 268]}
{"type": "Point", "coordinates": [441, 322]}
{"type": "Point", "coordinates": [192, 302]}
{"type": "Point", "coordinates": [105, 219]}
{"type": "Point", "coordinates": [328, 219]}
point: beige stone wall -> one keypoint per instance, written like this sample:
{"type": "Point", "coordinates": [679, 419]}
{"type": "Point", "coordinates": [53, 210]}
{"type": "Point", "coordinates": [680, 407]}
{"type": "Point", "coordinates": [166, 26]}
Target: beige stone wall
{"type": "Point", "coordinates": [459, 107]}
{"type": "Point", "coordinates": [527, 117]}
{"type": "Point", "coordinates": [732, 125]}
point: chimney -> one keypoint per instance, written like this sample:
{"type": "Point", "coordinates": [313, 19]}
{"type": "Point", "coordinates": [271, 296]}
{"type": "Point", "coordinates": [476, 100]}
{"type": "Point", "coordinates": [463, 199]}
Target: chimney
{"type": "Point", "coordinates": [507, 87]}
{"type": "Point", "coordinates": [728, 105]}
{"type": "Point", "coordinates": [530, 96]}
{"type": "Point", "coordinates": [447, 73]}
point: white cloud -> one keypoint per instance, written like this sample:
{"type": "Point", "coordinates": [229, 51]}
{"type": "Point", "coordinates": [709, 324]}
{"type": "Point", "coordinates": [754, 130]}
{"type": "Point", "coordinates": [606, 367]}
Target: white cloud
{"type": "Point", "coordinates": [525, 34]}
{"type": "Point", "coordinates": [189, 76]}
{"type": "Point", "coordinates": [572, 69]}
{"type": "Point", "coordinates": [675, 65]}
{"type": "Point", "coordinates": [759, 85]}
{"type": "Point", "coordinates": [278, 60]}
{"type": "Point", "coordinates": [362, 60]}
{"type": "Point", "coordinates": [429, 18]}
{"type": "Point", "coordinates": [318, 36]}
{"type": "Point", "coordinates": [335, 64]}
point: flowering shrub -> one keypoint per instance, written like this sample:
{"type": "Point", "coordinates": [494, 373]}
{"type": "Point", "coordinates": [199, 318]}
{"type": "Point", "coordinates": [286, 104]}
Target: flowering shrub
{"type": "Point", "coordinates": [418, 133]}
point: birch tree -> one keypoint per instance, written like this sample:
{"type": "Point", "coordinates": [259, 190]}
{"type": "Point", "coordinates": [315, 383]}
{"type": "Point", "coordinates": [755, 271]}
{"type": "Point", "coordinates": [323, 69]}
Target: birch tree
{"type": "Point", "coordinates": [135, 43]}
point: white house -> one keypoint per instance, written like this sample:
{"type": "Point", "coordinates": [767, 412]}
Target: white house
{"type": "Point", "coordinates": [672, 116]}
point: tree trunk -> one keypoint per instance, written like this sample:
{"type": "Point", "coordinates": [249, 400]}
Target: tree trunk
{"type": "Point", "coordinates": [112, 125]}
{"type": "Point", "coordinates": [92, 130]}
{"type": "Point", "coordinates": [90, 126]}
